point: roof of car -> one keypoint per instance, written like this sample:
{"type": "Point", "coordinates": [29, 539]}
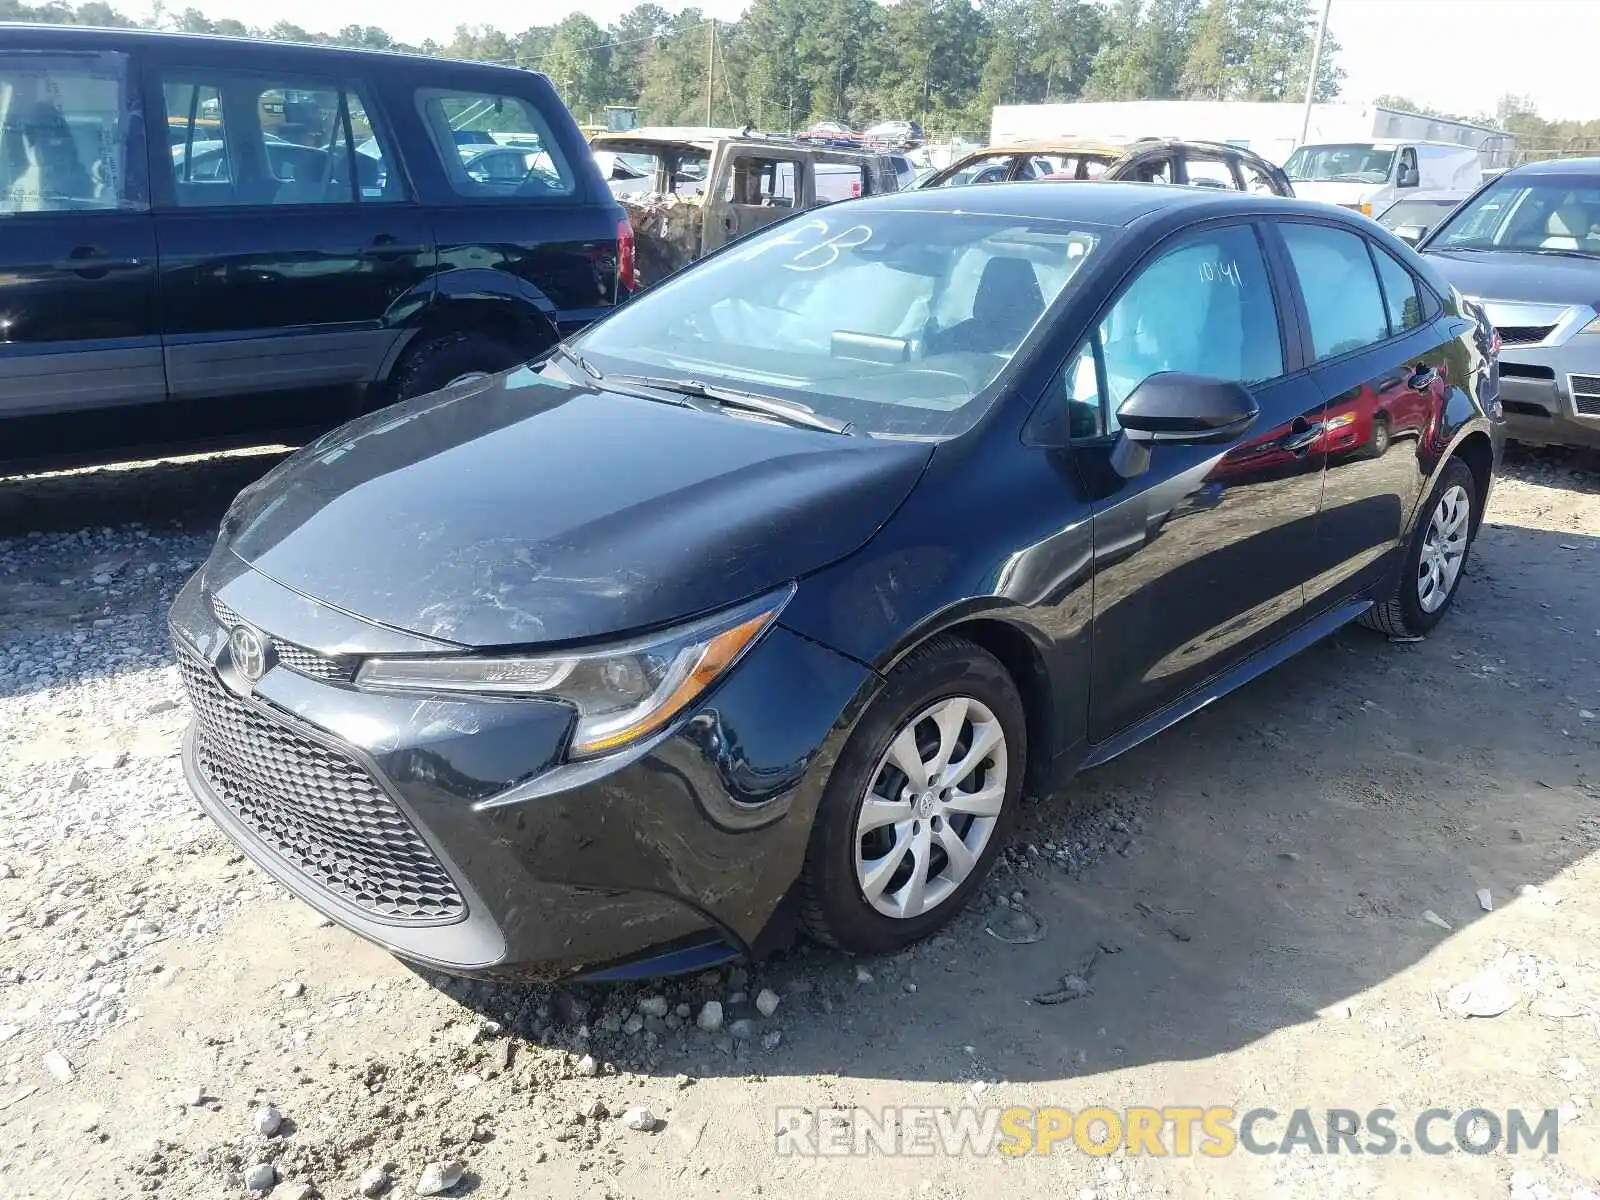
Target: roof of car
{"type": "Point", "coordinates": [1558, 166]}
{"type": "Point", "coordinates": [1103, 204]}
{"type": "Point", "coordinates": [29, 32]}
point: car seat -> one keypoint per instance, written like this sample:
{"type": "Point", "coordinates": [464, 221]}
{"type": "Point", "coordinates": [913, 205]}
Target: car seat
{"type": "Point", "coordinates": [52, 176]}
{"type": "Point", "coordinates": [1005, 306]}
{"type": "Point", "coordinates": [1567, 228]}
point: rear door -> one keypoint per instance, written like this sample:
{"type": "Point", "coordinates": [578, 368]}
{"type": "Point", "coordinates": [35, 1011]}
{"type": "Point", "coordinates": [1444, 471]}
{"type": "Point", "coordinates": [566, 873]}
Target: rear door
{"type": "Point", "coordinates": [1202, 558]}
{"type": "Point", "coordinates": [78, 313]}
{"type": "Point", "coordinates": [1384, 354]}
{"type": "Point", "coordinates": [755, 186]}
{"type": "Point", "coordinates": [288, 239]}
{"type": "Point", "coordinates": [551, 235]}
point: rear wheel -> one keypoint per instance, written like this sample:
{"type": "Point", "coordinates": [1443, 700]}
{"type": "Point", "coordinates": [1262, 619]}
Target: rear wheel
{"type": "Point", "coordinates": [451, 358]}
{"type": "Point", "coordinates": [1436, 558]}
{"type": "Point", "coordinates": [919, 801]}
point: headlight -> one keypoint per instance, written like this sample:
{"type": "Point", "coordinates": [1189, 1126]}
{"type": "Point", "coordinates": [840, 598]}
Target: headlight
{"type": "Point", "coordinates": [622, 692]}
{"type": "Point", "coordinates": [1339, 422]}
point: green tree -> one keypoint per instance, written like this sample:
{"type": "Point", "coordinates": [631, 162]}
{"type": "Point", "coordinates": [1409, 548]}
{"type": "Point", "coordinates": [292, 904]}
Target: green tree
{"type": "Point", "coordinates": [578, 61]}
{"type": "Point", "coordinates": [635, 34]}
{"type": "Point", "coordinates": [1256, 50]}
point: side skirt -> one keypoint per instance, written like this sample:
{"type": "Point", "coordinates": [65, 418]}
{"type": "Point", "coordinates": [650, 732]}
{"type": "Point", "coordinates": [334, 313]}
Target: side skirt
{"type": "Point", "coordinates": [1258, 664]}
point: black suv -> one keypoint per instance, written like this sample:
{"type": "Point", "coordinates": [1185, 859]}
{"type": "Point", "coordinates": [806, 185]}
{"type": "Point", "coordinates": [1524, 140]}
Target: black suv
{"type": "Point", "coordinates": [206, 240]}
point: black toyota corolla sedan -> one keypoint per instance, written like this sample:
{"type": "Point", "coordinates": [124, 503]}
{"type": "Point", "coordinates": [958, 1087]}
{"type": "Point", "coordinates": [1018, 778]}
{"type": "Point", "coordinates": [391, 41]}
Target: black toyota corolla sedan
{"type": "Point", "coordinates": [761, 603]}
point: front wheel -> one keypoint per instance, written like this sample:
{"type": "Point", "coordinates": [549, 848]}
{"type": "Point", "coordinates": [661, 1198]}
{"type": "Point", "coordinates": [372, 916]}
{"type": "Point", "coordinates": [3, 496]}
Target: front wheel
{"type": "Point", "coordinates": [919, 801]}
{"type": "Point", "coordinates": [1436, 558]}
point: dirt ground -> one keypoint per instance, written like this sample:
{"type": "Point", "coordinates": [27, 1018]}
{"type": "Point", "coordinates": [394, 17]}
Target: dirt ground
{"type": "Point", "coordinates": [1244, 898]}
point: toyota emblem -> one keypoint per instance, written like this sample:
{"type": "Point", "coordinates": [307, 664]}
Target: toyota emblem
{"type": "Point", "coordinates": [249, 652]}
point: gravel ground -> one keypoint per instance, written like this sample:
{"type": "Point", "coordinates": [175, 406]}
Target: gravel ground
{"type": "Point", "coordinates": [1237, 909]}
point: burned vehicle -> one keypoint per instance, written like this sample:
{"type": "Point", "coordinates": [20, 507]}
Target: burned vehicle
{"type": "Point", "coordinates": [1149, 160]}
{"type": "Point", "coordinates": [706, 187]}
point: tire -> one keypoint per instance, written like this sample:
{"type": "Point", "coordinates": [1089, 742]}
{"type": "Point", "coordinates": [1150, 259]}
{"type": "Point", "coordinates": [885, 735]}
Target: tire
{"type": "Point", "coordinates": [1414, 607]}
{"type": "Point", "coordinates": [1379, 445]}
{"type": "Point", "coordinates": [948, 677]}
{"type": "Point", "coordinates": [442, 360]}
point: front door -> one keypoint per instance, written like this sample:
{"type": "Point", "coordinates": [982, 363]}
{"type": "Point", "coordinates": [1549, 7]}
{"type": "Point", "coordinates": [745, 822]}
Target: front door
{"type": "Point", "coordinates": [1201, 558]}
{"type": "Point", "coordinates": [1385, 355]}
{"type": "Point", "coordinates": [78, 323]}
{"type": "Point", "coordinates": [287, 241]}
{"type": "Point", "coordinates": [753, 186]}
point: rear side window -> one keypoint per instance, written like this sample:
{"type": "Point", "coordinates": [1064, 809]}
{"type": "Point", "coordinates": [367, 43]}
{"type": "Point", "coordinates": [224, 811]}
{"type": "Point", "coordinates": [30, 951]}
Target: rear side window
{"type": "Point", "coordinates": [770, 183]}
{"type": "Point", "coordinates": [1401, 295]}
{"type": "Point", "coordinates": [246, 140]}
{"type": "Point", "coordinates": [1210, 172]}
{"type": "Point", "coordinates": [840, 181]}
{"type": "Point", "coordinates": [66, 124]}
{"type": "Point", "coordinates": [1340, 287]}
{"type": "Point", "coordinates": [466, 126]}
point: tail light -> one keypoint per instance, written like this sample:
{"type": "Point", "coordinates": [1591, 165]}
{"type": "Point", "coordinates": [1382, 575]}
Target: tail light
{"type": "Point", "coordinates": [855, 189]}
{"type": "Point", "coordinates": [627, 273]}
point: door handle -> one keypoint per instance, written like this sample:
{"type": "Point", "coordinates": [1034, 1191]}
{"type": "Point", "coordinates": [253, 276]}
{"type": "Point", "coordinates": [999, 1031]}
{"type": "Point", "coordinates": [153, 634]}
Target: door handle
{"type": "Point", "coordinates": [386, 247]}
{"type": "Point", "coordinates": [91, 260]}
{"type": "Point", "coordinates": [1301, 439]}
{"type": "Point", "coordinates": [1423, 379]}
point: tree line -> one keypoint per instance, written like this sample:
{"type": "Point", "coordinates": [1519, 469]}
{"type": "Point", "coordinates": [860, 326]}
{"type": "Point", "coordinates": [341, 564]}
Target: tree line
{"type": "Point", "coordinates": [786, 63]}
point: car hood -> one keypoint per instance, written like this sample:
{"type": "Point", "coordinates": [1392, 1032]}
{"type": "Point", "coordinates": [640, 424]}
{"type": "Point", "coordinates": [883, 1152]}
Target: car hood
{"type": "Point", "coordinates": [1524, 278]}
{"type": "Point", "coordinates": [526, 510]}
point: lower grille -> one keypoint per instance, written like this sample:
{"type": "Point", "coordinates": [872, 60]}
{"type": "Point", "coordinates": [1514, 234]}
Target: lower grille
{"type": "Point", "coordinates": [1523, 335]}
{"type": "Point", "coordinates": [1585, 394]}
{"type": "Point", "coordinates": [321, 812]}
{"type": "Point", "coordinates": [295, 657]}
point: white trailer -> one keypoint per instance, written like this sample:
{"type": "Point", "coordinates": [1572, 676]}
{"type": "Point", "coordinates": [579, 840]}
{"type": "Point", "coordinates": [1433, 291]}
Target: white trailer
{"type": "Point", "coordinates": [1271, 130]}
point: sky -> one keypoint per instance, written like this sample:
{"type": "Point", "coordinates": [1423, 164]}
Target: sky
{"type": "Point", "coordinates": [1457, 55]}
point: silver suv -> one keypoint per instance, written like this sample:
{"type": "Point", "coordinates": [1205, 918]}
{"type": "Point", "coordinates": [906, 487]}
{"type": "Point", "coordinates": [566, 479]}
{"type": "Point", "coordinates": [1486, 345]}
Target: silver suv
{"type": "Point", "coordinates": [1526, 246]}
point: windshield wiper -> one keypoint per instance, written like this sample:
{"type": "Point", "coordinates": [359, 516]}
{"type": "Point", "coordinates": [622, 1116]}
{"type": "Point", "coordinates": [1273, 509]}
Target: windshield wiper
{"type": "Point", "coordinates": [1586, 254]}
{"type": "Point", "coordinates": [791, 411]}
{"type": "Point", "coordinates": [566, 352]}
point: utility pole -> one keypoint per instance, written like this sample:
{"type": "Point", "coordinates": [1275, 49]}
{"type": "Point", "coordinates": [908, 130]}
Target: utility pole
{"type": "Point", "coordinates": [1316, 62]}
{"type": "Point", "coordinates": [711, 70]}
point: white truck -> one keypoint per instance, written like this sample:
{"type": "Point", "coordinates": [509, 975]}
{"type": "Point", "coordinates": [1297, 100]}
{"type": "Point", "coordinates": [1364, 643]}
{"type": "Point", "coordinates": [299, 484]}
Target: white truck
{"type": "Point", "coordinates": [1371, 176]}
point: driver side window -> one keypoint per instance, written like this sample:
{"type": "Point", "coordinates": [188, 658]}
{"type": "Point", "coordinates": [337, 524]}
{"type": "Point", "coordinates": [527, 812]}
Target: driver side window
{"type": "Point", "coordinates": [1204, 307]}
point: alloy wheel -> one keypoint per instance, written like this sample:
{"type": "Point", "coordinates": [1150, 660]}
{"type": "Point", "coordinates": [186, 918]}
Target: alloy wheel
{"type": "Point", "coordinates": [931, 807]}
{"type": "Point", "coordinates": [1444, 548]}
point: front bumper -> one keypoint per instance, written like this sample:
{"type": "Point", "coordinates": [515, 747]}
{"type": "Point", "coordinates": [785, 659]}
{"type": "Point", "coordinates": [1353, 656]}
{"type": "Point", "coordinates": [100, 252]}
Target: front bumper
{"type": "Point", "coordinates": [450, 831]}
{"type": "Point", "coordinates": [1551, 393]}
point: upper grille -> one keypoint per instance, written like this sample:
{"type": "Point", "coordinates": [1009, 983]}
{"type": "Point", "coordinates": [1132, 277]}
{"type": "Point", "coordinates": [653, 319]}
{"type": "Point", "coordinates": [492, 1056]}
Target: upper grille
{"type": "Point", "coordinates": [291, 655]}
{"type": "Point", "coordinates": [1585, 394]}
{"type": "Point", "coordinates": [323, 814]}
{"type": "Point", "coordinates": [1523, 335]}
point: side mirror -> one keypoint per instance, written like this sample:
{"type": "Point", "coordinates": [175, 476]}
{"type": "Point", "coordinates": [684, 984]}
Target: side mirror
{"type": "Point", "coordinates": [1411, 234]}
{"type": "Point", "coordinates": [1171, 406]}
{"type": "Point", "coordinates": [1408, 178]}
{"type": "Point", "coordinates": [1175, 407]}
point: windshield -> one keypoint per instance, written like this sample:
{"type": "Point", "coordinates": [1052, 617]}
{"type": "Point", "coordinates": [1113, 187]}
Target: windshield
{"type": "Point", "coordinates": [1559, 213]}
{"type": "Point", "coordinates": [896, 321]}
{"type": "Point", "coordinates": [1339, 164]}
{"type": "Point", "coordinates": [1413, 214]}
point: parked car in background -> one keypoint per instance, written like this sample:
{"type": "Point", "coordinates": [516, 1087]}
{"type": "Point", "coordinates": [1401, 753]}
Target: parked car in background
{"type": "Point", "coordinates": [314, 232]}
{"type": "Point", "coordinates": [425, 706]}
{"type": "Point", "coordinates": [1371, 176]}
{"type": "Point", "coordinates": [1526, 247]}
{"type": "Point", "coordinates": [831, 133]}
{"type": "Point", "coordinates": [894, 135]}
{"type": "Point", "coordinates": [1152, 160]}
{"type": "Point", "coordinates": [706, 190]}
{"type": "Point", "coordinates": [1412, 218]}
